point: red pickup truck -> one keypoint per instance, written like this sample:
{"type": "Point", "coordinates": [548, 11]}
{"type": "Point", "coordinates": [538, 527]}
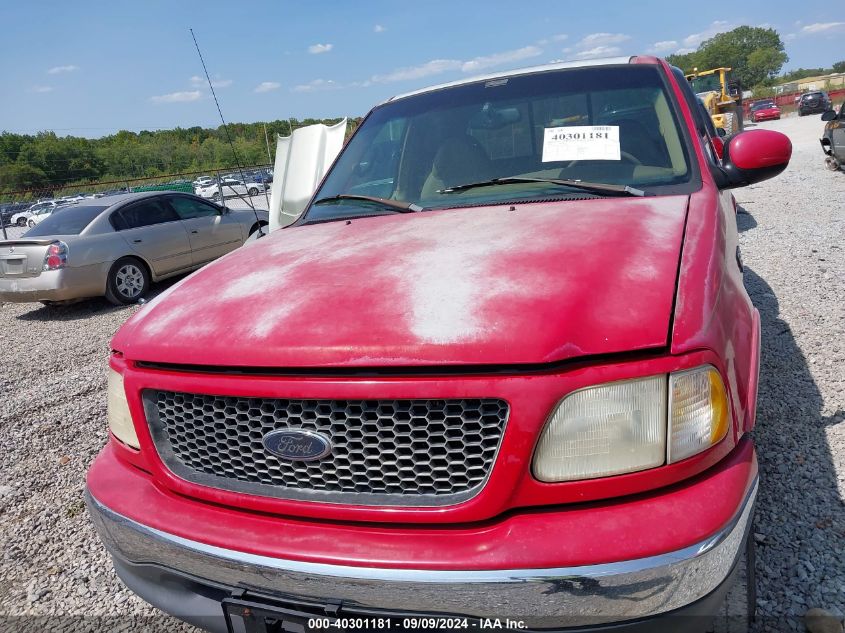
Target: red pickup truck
{"type": "Point", "coordinates": [500, 373]}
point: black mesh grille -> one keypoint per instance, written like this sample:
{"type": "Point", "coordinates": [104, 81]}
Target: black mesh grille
{"type": "Point", "coordinates": [403, 452]}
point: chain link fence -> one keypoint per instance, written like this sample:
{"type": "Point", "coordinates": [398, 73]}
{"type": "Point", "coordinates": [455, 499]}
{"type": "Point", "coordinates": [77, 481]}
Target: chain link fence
{"type": "Point", "coordinates": [246, 188]}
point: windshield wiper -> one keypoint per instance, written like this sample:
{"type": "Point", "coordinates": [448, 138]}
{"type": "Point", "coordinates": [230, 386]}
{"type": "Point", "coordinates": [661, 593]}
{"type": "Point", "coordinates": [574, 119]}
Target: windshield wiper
{"type": "Point", "coordinates": [595, 187]}
{"type": "Point", "coordinates": [396, 205]}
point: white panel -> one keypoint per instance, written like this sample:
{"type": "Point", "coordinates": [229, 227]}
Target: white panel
{"type": "Point", "coordinates": [302, 159]}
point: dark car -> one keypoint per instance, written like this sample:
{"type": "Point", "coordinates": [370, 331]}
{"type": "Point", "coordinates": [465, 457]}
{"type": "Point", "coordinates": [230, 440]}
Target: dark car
{"type": "Point", "coordinates": [260, 176]}
{"type": "Point", "coordinates": [813, 103]}
{"type": "Point", "coordinates": [7, 210]}
{"type": "Point", "coordinates": [833, 139]}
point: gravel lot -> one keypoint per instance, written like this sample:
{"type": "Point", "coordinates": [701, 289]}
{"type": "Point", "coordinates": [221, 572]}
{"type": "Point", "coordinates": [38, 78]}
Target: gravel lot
{"type": "Point", "coordinates": [52, 421]}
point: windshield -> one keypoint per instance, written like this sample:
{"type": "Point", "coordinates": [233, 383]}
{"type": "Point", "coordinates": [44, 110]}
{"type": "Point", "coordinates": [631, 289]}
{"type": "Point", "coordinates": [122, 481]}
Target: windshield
{"type": "Point", "coordinates": [763, 104]}
{"type": "Point", "coordinates": [68, 221]}
{"type": "Point", "coordinates": [706, 83]}
{"type": "Point", "coordinates": [607, 124]}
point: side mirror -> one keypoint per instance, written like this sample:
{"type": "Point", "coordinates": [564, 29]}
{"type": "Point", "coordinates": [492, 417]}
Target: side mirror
{"type": "Point", "coordinates": [753, 156]}
{"type": "Point", "coordinates": [830, 115]}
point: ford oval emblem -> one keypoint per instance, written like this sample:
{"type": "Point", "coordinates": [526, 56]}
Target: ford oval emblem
{"type": "Point", "coordinates": [297, 445]}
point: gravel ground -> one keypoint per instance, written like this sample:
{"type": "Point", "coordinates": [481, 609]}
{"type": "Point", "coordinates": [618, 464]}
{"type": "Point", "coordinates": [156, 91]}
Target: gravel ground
{"type": "Point", "coordinates": [793, 246]}
{"type": "Point", "coordinates": [52, 412]}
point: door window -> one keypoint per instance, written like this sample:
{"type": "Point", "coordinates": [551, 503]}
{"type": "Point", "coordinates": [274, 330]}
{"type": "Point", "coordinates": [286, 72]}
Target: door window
{"type": "Point", "coordinates": [144, 213]}
{"type": "Point", "coordinates": [188, 208]}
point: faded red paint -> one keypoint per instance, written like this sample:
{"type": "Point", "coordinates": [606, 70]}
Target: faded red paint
{"type": "Point", "coordinates": [544, 282]}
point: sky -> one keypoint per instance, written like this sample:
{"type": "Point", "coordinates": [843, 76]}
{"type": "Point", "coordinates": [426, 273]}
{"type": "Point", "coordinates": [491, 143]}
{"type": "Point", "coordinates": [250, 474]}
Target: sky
{"type": "Point", "coordinates": [91, 68]}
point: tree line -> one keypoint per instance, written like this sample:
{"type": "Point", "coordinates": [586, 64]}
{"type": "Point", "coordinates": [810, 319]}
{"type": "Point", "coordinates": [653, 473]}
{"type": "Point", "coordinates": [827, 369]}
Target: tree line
{"type": "Point", "coordinates": [756, 56]}
{"type": "Point", "coordinates": [47, 161]}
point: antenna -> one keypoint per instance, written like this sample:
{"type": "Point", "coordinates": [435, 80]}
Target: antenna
{"type": "Point", "coordinates": [228, 136]}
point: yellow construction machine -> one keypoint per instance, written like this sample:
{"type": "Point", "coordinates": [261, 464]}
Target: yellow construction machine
{"type": "Point", "coordinates": [722, 97]}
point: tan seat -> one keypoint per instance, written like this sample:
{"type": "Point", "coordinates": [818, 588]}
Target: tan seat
{"type": "Point", "coordinates": [459, 160]}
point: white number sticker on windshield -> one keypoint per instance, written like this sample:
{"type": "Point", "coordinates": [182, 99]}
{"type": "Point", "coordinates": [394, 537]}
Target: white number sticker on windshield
{"type": "Point", "coordinates": [581, 142]}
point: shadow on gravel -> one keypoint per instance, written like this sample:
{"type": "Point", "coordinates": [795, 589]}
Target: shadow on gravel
{"type": "Point", "coordinates": [800, 519]}
{"type": "Point", "coordinates": [87, 307]}
{"type": "Point", "coordinates": [69, 312]}
{"type": "Point", "coordinates": [744, 220]}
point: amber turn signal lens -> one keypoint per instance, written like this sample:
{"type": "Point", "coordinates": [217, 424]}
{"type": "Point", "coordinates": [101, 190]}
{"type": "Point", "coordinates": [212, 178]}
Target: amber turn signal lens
{"type": "Point", "coordinates": [698, 412]}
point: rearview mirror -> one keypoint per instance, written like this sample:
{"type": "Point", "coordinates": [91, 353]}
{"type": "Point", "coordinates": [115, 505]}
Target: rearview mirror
{"type": "Point", "coordinates": [829, 115]}
{"type": "Point", "coordinates": [753, 156]}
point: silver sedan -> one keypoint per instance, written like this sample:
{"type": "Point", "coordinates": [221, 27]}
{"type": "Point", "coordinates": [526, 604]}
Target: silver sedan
{"type": "Point", "coordinates": [118, 246]}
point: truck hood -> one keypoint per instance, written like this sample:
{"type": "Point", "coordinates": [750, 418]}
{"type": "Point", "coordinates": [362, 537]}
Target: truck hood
{"type": "Point", "coordinates": [534, 283]}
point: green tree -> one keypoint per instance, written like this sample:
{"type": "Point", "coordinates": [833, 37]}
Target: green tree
{"type": "Point", "coordinates": [755, 54]}
{"type": "Point", "coordinates": [839, 67]}
{"type": "Point", "coordinates": [14, 177]}
{"type": "Point", "coordinates": [685, 61]}
{"type": "Point", "coordinates": [802, 73]}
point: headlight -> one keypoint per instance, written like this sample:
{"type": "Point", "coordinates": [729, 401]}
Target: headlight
{"type": "Point", "coordinates": [699, 412]}
{"type": "Point", "coordinates": [120, 420]}
{"type": "Point", "coordinates": [622, 427]}
{"type": "Point", "coordinates": [606, 430]}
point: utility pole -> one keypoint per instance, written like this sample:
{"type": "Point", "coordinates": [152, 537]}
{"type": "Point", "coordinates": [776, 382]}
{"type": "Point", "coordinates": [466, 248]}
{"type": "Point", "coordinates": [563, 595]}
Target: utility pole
{"type": "Point", "coordinates": [267, 140]}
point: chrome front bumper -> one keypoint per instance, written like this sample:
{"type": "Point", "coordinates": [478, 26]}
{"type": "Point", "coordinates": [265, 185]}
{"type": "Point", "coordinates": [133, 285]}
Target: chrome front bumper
{"type": "Point", "coordinates": [542, 598]}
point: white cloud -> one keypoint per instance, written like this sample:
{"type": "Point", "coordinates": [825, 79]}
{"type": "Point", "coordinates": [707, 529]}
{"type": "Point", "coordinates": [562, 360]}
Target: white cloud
{"type": "Point", "coordinates": [664, 46]}
{"type": "Point", "coordinates": [317, 85]}
{"type": "Point", "coordinates": [378, 28]}
{"type": "Point", "coordinates": [439, 66]}
{"type": "Point", "coordinates": [177, 97]}
{"type": "Point", "coordinates": [823, 27]}
{"type": "Point", "coordinates": [433, 67]}
{"type": "Point", "coordinates": [598, 51]}
{"type": "Point", "coordinates": [55, 70]}
{"type": "Point", "coordinates": [198, 81]}
{"type": "Point", "coordinates": [597, 45]}
{"type": "Point", "coordinates": [602, 39]}
{"type": "Point", "coordinates": [693, 40]}
{"type": "Point", "coordinates": [560, 37]}
{"type": "Point", "coordinates": [267, 86]}
{"type": "Point", "coordinates": [316, 49]}
{"type": "Point", "coordinates": [684, 51]}
{"type": "Point", "coordinates": [498, 59]}
{"type": "Point", "coordinates": [42, 89]}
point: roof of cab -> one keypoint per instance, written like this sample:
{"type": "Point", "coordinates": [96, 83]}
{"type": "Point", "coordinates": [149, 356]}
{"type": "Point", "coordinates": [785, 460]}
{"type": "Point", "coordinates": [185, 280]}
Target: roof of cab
{"type": "Point", "coordinates": [519, 71]}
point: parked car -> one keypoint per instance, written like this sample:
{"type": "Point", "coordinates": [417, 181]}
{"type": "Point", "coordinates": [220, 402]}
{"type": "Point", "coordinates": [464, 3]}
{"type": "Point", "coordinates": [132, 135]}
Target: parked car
{"type": "Point", "coordinates": [118, 246]}
{"type": "Point", "coordinates": [813, 103]}
{"type": "Point", "coordinates": [43, 212]}
{"type": "Point", "coordinates": [231, 187]}
{"type": "Point", "coordinates": [260, 176]}
{"type": "Point", "coordinates": [765, 110]}
{"type": "Point", "coordinates": [10, 210]}
{"type": "Point", "coordinates": [21, 218]}
{"type": "Point", "coordinates": [833, 138]}
{"type": "Point", "coordinates": [513, 375]}
{"type": "Point", "coordinates": [203, 181]}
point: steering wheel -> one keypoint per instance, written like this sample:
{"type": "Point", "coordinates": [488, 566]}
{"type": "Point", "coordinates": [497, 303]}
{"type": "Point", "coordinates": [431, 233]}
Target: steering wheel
{"type": "Point", "coordinates": [623, 155]}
